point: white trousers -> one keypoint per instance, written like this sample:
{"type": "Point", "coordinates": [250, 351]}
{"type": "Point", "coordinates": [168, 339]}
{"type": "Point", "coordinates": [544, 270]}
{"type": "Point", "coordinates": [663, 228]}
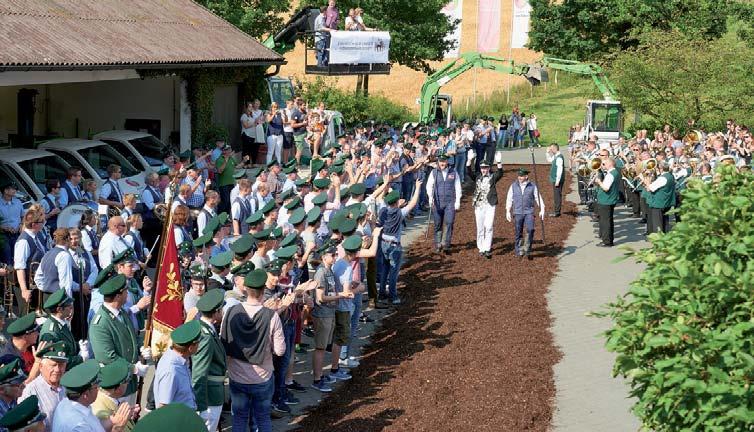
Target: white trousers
{"type": "Point", "coordinates": [274, 147]}
{"type": "Point", "coordinates": [211, 417]}
{"type": "Point", "coordinates": [485, 216]}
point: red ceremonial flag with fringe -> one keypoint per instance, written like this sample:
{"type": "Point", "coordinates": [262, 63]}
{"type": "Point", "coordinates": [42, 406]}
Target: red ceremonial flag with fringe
{"type": "Point", "coordinates": [167, 312]}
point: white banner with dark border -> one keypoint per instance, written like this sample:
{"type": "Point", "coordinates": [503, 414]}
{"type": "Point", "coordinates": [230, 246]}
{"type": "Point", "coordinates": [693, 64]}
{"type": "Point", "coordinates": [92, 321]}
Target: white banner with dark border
{"type": "Point", "coordinates": [359, 47]}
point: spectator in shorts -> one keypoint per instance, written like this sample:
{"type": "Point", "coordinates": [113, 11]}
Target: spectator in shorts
{"type": "Point", "coordinates": [329, 291]}
{"type": "Point", "coordinates": [287, 131]}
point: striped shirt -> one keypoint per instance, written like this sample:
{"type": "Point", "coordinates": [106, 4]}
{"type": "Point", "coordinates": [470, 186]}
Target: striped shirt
{"type": "Point", "coordinates": [49, 397]}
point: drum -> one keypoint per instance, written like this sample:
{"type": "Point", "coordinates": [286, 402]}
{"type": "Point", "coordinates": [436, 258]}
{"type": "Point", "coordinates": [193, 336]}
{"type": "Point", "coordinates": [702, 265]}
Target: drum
{"type": "Point", "coordinates": [70, 216]}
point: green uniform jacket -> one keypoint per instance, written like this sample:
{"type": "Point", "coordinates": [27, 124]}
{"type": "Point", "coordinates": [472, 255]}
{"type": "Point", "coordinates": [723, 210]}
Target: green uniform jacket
{"type": "Point", "coordinates": [113, 337]}
{"type": "Point", "coordinates": [208, 368]}
{"type": "Point", "coordinates": [554, 169]}
{"type": "Point", "coordinates": [53, 331]}
{"type": "Point", "coordinates": [214, 283]}
{"type": "Point", "coordinates": [663, 197]}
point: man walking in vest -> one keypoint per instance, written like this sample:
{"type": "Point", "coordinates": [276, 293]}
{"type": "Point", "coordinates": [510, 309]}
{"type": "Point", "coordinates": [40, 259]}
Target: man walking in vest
{"type": "Point", "coordinates": [607, 197]}
{"type": "Point", "coordinates": [523, 195]}
{"type": "Point", "coordinates": [660, 199]}
{"type": "Point", "coordinates": [485, 201]}
{"type": "Point", "coordinates": [444, 190]}
{"type": "Point", "coordinates": [557, 177]}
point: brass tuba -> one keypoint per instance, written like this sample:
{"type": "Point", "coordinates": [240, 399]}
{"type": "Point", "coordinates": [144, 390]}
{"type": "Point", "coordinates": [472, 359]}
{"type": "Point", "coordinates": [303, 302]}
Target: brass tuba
{"type": "Point", "coordinates": [9, 284]}
{"type": "Point", "coordinates": [594, 166]}
{"type": "Point", "coordinates": [161, 211]}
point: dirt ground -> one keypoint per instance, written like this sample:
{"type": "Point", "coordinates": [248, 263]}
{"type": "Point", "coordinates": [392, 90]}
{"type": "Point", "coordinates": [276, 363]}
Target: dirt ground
{"type": "Point", "coordinates": [470, 348]}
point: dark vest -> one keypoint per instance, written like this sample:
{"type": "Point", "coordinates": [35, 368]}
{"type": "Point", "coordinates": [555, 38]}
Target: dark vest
{"type": "Point", "coordinates": [554, 170]}
{"type": "Point", "coordinates": [245, 213]}
{"type": "Point", "coordinates": [50, 270]}
{"type": "Point", "coordinates": [663, 197]}
{"type": "Point", "coordinates": [523, 202]}
{"type": "Point", "coordinates": [445, 189]}
{"type": "Point", "coordinates": [71, 195]}
{"type": "Point", "coordinates": [78, 277]}
{"type": "Point", "coordinates": [35, 254]}
{"type": "Point", "coordinates": [52, 222]}
{"type": "Point", "coordinates": [138, 245]}
{"type": "Point", "coordinates": [114, 192]}
{"type": "Point", "coordinates": [93, 237]}
{"type": "Point", "coordinates": [156, 198]}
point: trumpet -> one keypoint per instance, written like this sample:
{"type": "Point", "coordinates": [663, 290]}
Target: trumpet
{"type": "Point", "coordinates": [594, 168]}
{"type": "Point", "coordinates": [9, 283]}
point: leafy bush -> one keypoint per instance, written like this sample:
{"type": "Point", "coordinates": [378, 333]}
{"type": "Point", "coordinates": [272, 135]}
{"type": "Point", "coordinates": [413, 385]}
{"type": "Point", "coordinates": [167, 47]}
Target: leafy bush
{"type": "Point", "coordinates": [684, 334]}
{"type": "Point", "coordinates": [355, 108]}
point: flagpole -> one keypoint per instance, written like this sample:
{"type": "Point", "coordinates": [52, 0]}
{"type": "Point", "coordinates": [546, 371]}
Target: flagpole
{"type": "Point", "coordinates": [153, 294]}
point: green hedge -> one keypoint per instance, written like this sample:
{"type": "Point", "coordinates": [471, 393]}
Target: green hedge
{"type": "Point", "coordinates": [355, 108]}
{"type": "Point", "coordinates": [684, 334]}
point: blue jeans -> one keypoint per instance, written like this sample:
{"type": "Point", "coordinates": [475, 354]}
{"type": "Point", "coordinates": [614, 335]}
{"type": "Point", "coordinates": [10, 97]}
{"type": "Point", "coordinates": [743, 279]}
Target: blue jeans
{"type": "Point", "coordinates": [502, 138]}
{"type": "Point", "coordinates": [9, 241]}
{"type": "Point", "coordinates": [521, 222]}
{"type": "Point", "coordinates": [461, 165]}
{"type": "Point", "coordinates": [250, 406]}
{"type": "Point", "coordinates": [443, 214]}
{"type": "Point", "coordinates": [479, 149]}
{"type": "Point", "coordinates": [391, 265]}
{"type": "Point", "coordinates": [355, 315]}
{"type": "Point", "coordinates": [322, 53]}
{"type": "Point", "coordinates": [515, 137]}
{"type": "Point", "coordinates": [282, 363]}
{"type": "Point", "coordinates": [532, 139]}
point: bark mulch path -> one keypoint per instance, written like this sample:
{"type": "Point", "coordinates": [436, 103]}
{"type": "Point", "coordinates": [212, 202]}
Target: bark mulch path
{"type": "Point", "coordinates": [470, 348]}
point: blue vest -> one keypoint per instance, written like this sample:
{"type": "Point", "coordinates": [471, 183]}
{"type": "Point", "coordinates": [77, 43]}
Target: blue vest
{"type": "Point", "coordinates": [35, 254]}
{"type": "Point", "coordinates": [445, 190]}
{"type": "Point", "coordinates": [156, 198]}
{"type": "Point", "coordinates": [138, 246]}
{"type": "Point", "coordinates": [72, 197]}
{"type": "Point", "coordinates": [245, 213]}
{"type": "Point", "coordinates": [114, 192]}
{"type": "Point", "coordinates": [52, 222]}
{"type": "Point", "coordinates": [523, 203]}
{"type": "Point", "coordinates": [93, 237]}
{"type": "Point", "coordinates": [76, 272]}
{"type": "Point", "coordinates": [50, 270]}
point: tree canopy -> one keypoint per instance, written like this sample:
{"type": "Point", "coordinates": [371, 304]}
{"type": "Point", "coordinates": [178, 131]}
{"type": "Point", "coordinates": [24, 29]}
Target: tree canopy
{"type": "Point", "coordinates": [672, 78]}
{"type": "Point", "coordinates": [587, 30]}
{"type": "Point", "coordinates": [257, 18]}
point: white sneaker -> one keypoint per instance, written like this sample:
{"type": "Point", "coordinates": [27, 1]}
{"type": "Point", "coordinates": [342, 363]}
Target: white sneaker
{"type": "Point", "coordinates": [349, 363]}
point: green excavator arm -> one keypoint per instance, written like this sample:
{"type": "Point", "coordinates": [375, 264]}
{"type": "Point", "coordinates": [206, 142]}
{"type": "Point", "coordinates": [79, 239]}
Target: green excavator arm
{"type": "Point", "coordinates": [301, 22]}
{"type": "Point", "coordinates": [464, 63]}
{"type": "Point", "coordinates": [593, 70]}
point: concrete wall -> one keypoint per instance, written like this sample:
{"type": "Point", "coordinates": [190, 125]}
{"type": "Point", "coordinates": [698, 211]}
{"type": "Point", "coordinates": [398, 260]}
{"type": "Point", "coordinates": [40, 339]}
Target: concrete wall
{"type": "Point", "coordinates": [227, 112]}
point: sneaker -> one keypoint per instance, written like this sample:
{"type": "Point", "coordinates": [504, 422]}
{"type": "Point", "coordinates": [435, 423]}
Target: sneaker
{"type": "Point", "coordinates": [308, 331]}
{"type": "Point", "coordinates": [365, 318]}
{"type": "Point", "coordinates": [350, 362]}
{"type": "Point", "coordinates": [343, 352]}
{"type": "Point", "coordinates": [281, 408]}
{"type": "Point", "coordinates": [396, 301]}
{"type": "Point", "coordinates": [295, 386]}
{"type": "Point", "coordinates": [291, 400]}
{"type": "Point", "coordinates": [327, 379]}
{"type": "Point", "coordinates": [340, 375]}
{"type": "Point", "coordinates": [300, 349]}
{"type": "Point", "coordinates": [322, 386]}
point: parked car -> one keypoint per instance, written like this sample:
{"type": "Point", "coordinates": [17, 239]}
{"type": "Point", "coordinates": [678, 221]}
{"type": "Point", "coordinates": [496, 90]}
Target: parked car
{"type": "Point", "coordinates": [94, 157]}
{"type": "Point", "coordinates": [30, 169]}
{"type": "Point", "coordinates": [140, 148]}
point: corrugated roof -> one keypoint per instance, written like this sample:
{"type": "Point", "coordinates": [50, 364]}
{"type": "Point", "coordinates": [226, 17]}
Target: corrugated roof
{"type": "Point", "coordinates": [65, 34]}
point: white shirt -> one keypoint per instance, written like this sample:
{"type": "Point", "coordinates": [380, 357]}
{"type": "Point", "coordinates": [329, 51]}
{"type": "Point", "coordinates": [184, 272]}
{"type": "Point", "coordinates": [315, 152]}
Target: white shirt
{"type": "Point", "coordinates": [234, 192]}
{"type": "Point", "coordinates": [71, 416]}
{"type": "Point", "coordinates": [657, 184]}
{"type": "Point", "coordinates": [201, 220]}
{"type": "Point", "coordinates": [250, 131]}
{"type": "Point", "coordinates": [558, 166]}
{"type": "Point", "coordinates": [64, 265]}
{"type": "Point", "coordinates": [86, 241]}
{"type": "Point", "coordinates": [130, 241]}
{"type": "Point", "coordinates": [21, 251]}
{"type": "Point", "coordinates": [509, 198]}
{"type": "Point", "coordinates": [531, 124]}
{"type": "Point", "coordinates": [607, 181]}
{"type": "Point", "coordinates": [110, 245]}
{"type": "Point", "coordinates": [431, 186]}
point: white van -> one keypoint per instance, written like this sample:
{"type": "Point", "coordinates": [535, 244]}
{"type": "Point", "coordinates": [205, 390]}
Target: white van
{"type": "Point", "coordinates": [140, 148]}
{"type": "Point", "coordinates": [30, 169]}
{"type": "Point", "coordinates": [94, 157]}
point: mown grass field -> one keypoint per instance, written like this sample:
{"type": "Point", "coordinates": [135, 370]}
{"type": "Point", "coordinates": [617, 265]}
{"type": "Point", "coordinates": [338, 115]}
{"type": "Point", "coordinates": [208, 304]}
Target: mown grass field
{"type": "Point", "coordinates": [557, 106]}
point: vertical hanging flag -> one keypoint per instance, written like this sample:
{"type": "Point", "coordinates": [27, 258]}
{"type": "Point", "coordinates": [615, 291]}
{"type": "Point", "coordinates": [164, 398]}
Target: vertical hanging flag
{"type": "Point", "coordinates": [167, 313]}
{"type": "Point", "coordinates": [488, 26]}
{"type": "Point", "coordinates": [454, 11]}
{"type": "Point", "coordinates": [520, 23]}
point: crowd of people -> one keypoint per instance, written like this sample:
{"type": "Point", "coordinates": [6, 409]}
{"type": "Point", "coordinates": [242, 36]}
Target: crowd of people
{"type": "Point", "coordinates": [268, 257]}
{"type": "Point", "coordinates": [648, 174]}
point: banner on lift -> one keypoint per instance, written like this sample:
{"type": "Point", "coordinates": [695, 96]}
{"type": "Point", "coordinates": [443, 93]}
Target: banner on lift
{"type": "Point", "coordinates": [359, 47]}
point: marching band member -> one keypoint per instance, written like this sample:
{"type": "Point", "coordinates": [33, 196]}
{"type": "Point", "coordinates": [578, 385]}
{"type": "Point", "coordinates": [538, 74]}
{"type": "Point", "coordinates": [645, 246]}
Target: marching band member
{"type": "Point", "coordinates": [557, 177]}
{"type": "Point", "coordinates": [485, 201]}
{"type": "Point", "coordinates": [607, 198]}
{"type": "Point", "coordinates": [660, 199]}
{"type": "Point", "coordinates": [522, 196]}
{"type": "Point", "coordinates": [110, 193]}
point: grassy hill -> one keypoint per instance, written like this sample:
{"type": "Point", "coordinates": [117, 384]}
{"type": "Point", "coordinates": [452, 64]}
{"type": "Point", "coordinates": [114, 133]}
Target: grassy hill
{"type": "Point", "coordinates": [558, 107]}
